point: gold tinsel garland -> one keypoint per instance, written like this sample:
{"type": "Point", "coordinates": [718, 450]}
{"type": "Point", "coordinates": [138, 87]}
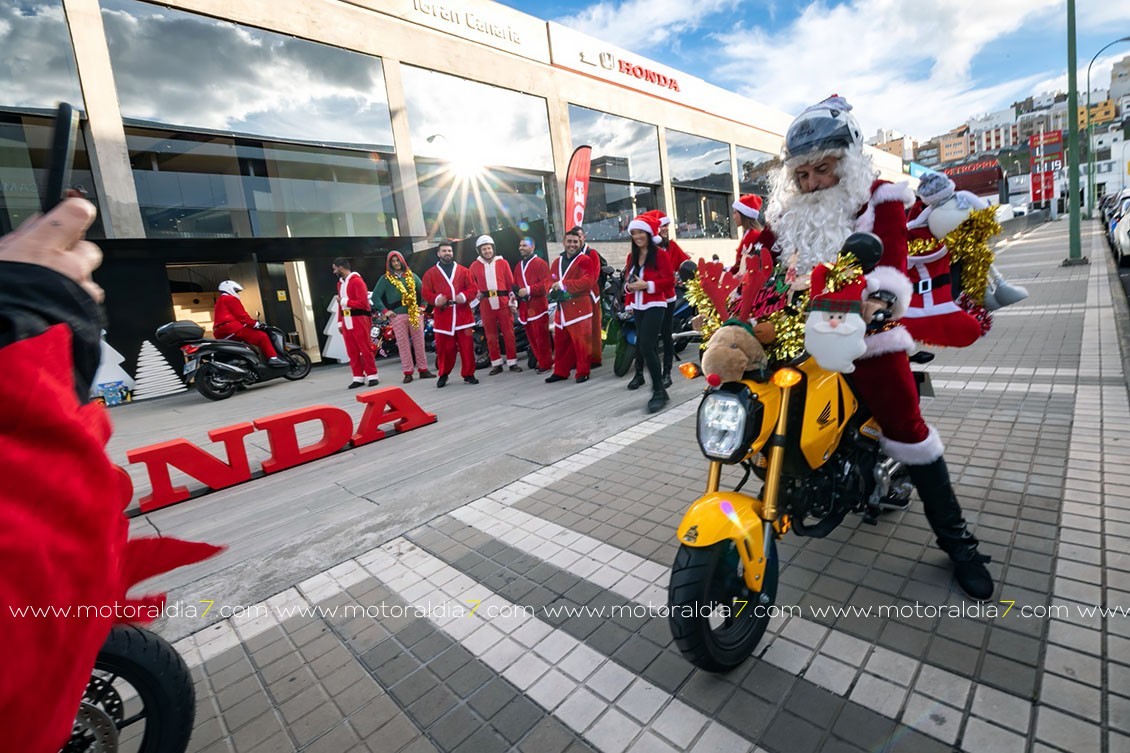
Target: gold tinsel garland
{"type": "Point", "coordinates": [697, 297]}
{"type": "Point", "coordinates": [968, 246]}
{"type": "Point", "coordinates": [842, 273]}
{"type": "Point", "coordinates": [788, 326]}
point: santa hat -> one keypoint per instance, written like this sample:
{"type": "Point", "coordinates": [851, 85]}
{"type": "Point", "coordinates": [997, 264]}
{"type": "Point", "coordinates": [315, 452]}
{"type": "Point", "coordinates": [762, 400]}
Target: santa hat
{"type": "Point", "coordinates": [934, 188]}
{"type": "Point", "coordinates": [649, 223]}
{"type": "Point", "coordinates": [749, 206]}
{"type": "Point", "coordinates": [660, 215]}
{"type": "Point", "coordinates": [845, 300]}
{"type": "Point", "coordinates": [483, 240]}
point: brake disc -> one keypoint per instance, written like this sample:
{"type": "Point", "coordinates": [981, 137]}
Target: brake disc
{"type": "Point", "coordinates": [94, 731]}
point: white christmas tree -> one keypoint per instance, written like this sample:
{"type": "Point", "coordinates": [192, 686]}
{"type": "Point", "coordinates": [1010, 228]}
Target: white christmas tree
{"type": "Point", "coordinates": [155, 377]}
{"type": "Point", "coordinates": [111, 381]}
{"type": "Point", "coordinates": [335, 341]}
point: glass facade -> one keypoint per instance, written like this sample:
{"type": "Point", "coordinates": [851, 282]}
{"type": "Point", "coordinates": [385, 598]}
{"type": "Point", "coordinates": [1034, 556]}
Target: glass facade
{"type": "Point", "coordinates": [463, 206]}
{"type": "Point", "coordinates": [624, 177]}
{"type": "Point", "coordinates": [701, 174]}
{"type": "Point", "coordinates": [755, 170]}
{"type": "Point", "coordinates": [193, 184]}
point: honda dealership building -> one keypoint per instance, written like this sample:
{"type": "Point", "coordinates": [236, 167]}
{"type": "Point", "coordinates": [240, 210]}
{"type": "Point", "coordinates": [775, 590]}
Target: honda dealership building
{"type": "Point", "coordinates": [259, 139]}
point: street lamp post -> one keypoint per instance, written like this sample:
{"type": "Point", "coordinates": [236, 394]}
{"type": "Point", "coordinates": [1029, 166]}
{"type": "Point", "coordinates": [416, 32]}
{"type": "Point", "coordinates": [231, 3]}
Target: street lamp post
{"type": "Point", "coordinates": [1074, 253]}
{"type": "Point", "coordinates": [1090, 130]}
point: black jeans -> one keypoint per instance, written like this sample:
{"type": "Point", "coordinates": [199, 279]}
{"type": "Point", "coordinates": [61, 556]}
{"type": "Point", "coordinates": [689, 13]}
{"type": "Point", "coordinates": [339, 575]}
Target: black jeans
{"type": "Point", "coordinates": [649, 323]}
{"type": "Point", "coordinates": [667, 335]}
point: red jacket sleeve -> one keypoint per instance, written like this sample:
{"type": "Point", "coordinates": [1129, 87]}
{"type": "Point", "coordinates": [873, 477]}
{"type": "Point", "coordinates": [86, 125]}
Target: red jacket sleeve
{"type": "Point", "coordinates": [678, 255]}
{"type": "Point", "coordinates": [665, 278]}
{"type": "Point", "coordinates": [63, 538]}
{"type": "Point", "coordinates": [465, 283]}
{"type": "Point", "coordinates": [233, 307]}
{"type": "Point", "coordinates": [428, 289]}
{"type": "Point", "coordinates": [357, 293]}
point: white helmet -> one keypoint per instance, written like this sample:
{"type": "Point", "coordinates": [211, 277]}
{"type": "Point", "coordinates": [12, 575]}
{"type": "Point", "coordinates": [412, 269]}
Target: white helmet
{"type": "Point", "coordinates": [230, 286]}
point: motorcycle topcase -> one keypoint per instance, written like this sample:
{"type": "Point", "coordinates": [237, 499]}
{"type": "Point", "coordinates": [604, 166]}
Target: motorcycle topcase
{"type": "Point", "coordinates": [175, 333]}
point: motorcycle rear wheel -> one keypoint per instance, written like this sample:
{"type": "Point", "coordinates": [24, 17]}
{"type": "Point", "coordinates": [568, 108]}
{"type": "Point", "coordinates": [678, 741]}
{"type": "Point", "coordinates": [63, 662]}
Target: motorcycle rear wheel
{"type": "Point", "coordinates": [210, 385]}
{"type": "Point", "coordinates": [625, 358]}
{"type": "Point", "coordinates": [703, 578]}
{"type": "Point", "coordinates": [161, 685]}
{"type": "Point", "coordinates": [301, 368]}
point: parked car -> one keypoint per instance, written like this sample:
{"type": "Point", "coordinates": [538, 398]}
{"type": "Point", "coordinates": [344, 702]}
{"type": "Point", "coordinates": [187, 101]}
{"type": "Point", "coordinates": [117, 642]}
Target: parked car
{"type": "Point", "coordinates": [1122, 237]}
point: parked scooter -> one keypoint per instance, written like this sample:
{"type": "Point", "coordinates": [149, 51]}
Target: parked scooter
{"type": "Point", "coordinates": [220, 367]}
{"type": "Point", "coordinates": [140, 697]}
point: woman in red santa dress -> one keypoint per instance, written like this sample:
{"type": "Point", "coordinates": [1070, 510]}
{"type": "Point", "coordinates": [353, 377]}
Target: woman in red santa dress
{"type": "Point", "coordinates": [825, 190]}
{"type": "Point", "coordinates": [648, 284]}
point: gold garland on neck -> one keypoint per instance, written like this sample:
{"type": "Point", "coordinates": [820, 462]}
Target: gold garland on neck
{"type": "Point", "coordinates": [407, 288]}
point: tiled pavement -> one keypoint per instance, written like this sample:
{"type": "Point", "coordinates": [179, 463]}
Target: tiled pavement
{"type": "Point", "coordinates": [1036, 419]}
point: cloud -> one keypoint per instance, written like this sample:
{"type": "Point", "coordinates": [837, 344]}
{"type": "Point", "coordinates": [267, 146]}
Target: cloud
{"type": "Point", "coordinates": [1100, 76]}
{"type": "Point", "coordinates": [37, 68]}
{"type": "Point", "coordinates": [642, 25]}
{"type": "Point", "coordinates": [903, 67]}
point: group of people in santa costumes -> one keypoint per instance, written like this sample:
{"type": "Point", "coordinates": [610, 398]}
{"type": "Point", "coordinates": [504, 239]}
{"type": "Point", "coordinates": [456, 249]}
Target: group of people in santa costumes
{"type": "Point", "coordinates": [826, 190]}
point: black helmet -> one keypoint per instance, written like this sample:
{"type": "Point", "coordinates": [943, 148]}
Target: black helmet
{"type": "Point", "coordinates": [825, 125]}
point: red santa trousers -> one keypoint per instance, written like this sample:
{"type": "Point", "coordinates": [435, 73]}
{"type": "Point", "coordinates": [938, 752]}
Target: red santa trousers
{"type": "Point", "coordinates": [255, 337]}
{"type": "Point", "coordinates": [574, 349]}
{"type": "Point", "coordinates": [886, 385]}
{"type": "Point", "coordinates": [445, 352]}
{"type": "Point", "coordinates": [493, 319]}
{"type": "Point", "coordinates": [410, 344]}
{"type": "Point", "coordinates": [596, 337]}
{"type": "Point", "coordinates": [537, 332]}
{"type": "Point", "coordinates": [359, 346]}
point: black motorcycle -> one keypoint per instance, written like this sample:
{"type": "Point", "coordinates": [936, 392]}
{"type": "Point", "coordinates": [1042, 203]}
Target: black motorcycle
{"type": "Point", "coordinates": [220, 367]}
{"type": "Point", "coordinates": [482, 352]}
{"type": "Point", "coordinates": [140, 698]}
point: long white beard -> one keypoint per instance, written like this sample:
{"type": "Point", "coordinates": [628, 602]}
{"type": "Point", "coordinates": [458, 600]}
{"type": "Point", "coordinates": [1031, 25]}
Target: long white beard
{"type": "Point", "coordinates": [811, 228]}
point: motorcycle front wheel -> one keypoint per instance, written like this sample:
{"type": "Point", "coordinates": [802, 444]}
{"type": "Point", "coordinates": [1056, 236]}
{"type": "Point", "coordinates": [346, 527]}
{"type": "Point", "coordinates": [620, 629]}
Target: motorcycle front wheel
{"type": "Point", "coordinates": [211, 384]}
{"type": "Point", "coordinates": [140, 697]}
{"type": "Point", "coordinates": [300, 368]}
{"type": "Point", "coordinates": [715, 619]}
{"type": "Point", "coordinates": [625, 358]}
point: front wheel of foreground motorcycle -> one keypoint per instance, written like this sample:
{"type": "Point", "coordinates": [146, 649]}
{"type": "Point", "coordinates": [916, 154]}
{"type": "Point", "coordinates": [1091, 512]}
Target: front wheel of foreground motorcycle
{"type": "Point", "coordinates": [140, 697]}
{"type": "Point", "coordinates": [300, 368]}
{"type": "Point", "coordinates": [212, 384]}
{"type": "Point", "coordinates": [715, 619]}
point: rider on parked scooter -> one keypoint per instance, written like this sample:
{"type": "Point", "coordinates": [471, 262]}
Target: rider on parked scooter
{"type": "Point", "coordinates": [827, 189]}
{"type": "Point", "coordinates": [232, 320]}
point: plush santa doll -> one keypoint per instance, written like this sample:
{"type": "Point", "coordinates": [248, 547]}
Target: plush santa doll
{"type": "Point", "coordinates": [833, 333]}
{"type": "Point", "coordinates": [933, 317]}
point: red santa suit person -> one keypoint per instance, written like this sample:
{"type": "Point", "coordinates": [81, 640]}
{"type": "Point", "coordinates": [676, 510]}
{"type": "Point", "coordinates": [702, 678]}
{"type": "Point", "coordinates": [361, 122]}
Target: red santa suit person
{"type": "Point", "coordinates": [572, 279]}
{"type": "Point", "coordinates": [230, 319]}
{"type": "Point", "coordinates": [827, 190]}
{"type": "Point", "coordinates": [355, 318]}
{"type": "Point", "coordinates": [596, 341]}
{"type": "Point", "coordinates": [494, 283]}
{"type": "Point", "coordinates": [531, 277]}
{"type": "Point", "coordinates": [449, 289]}
{"type": "Point", "coordinates": [933, 317]}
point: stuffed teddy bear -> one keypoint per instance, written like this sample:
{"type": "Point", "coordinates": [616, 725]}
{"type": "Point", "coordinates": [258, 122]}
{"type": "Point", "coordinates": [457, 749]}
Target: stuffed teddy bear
{"type": "Point", "coordinates": [732, 351]}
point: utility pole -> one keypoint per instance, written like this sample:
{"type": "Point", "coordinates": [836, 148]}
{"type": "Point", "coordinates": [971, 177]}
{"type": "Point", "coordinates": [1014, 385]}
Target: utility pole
{"type": "Point", "coordinates": [1074, 253]}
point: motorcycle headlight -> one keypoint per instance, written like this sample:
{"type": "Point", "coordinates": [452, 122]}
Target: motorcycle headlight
{"type": "Point", "coordinates": [727, 422]}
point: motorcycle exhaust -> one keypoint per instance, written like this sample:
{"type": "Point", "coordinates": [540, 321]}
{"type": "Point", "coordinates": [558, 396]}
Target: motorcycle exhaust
{"type": "Point", "coordinates": [234, 371]}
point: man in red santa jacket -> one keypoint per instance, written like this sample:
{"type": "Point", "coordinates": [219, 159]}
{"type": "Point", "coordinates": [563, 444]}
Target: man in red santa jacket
{"type": "Point", "coordinates": [826, 191]}
{"type": "Point", "coordinates": [355, 320]}
{"type": "Point", "coordinates": [230, 319]}
{"type": "Point", "coordinates": [449, 289]}
{"type": "Point", "coordinates": [64, 542]}
{"type": "Point", "coordinates": [572, 279]}
{"type": "Point", "coordinates": [495, 284]}
{"type": "Point", "coordinates": [531, 277]}
{"type": "Point", "coordinates": [596, 262]}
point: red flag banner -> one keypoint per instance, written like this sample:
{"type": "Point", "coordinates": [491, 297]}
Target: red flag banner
{"type": "Point", "coordinates": [577, 186]}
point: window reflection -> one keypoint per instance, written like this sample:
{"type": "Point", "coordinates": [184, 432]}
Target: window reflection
{"type": "Point", "coordinates": [624, 176]}
{"type": "Point", "coordinates": [195, 184]}
{"type": "Point", "coordinates": [459, 205]}
{"type": "Point", "coordinates": [470, 124]}
{"type": "Point", "coordinates": [37, 67]}
{"type": "Point", "coordinates": [25, 143]}
{"type": "Point", "coordinates": [701, 174]}
{"type": "Point", "coordinates": [182, 69]}
{"type": "Point", "coordinates": [755, 170]}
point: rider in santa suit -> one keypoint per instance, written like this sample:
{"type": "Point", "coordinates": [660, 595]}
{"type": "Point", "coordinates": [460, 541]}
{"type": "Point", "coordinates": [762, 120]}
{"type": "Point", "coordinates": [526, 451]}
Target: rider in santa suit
{"type": "Point", "coordinates": [826, 190]}
{"type": "Point", "coordinates": [449, 289]}
{"type": "Point", "coordinates": [494, 282]}
{"type": "Point", "coordinates": [230, 319]}
{"type": "Point", "coordinates": [572, 279]}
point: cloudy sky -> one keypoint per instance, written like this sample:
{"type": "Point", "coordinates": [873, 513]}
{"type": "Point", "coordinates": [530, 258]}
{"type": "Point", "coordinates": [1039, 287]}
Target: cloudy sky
{"type": "Point", "coordinates": [919, 67]}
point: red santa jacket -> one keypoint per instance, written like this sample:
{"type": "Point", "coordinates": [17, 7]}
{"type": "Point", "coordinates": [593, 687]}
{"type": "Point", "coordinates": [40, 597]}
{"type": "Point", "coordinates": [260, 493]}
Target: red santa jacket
{"type": "Point", "coordinates": [230, 316]}
{"type": "Point", "coordinates": [660, 281]}
{"type": "Point", "coordinates": [356, 296]}
{"type": "Point", "coordinates": [493, 281]}
{"type": "Point", "coordinates": [597, 263]}
{"type": "Point", "coordinates": [676, 256]}
{"type": "Point", "coordinates": [452, 315]}
{"type": "Point", "coordinates": [746, 247]}
{"type": "Point", "coordinates": [63, 543]}
{"type": "Point", "coordinates": [532, 274]}
{"type": "Point", "coordinates": [578, 277]}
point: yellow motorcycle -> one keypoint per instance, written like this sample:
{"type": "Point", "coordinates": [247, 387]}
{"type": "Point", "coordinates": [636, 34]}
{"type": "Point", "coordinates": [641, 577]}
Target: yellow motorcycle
{"type": "Point", "coordinates": [811, 442]}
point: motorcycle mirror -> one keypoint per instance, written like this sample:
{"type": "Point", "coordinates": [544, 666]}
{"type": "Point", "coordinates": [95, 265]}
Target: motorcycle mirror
{"type": "Point", "coordinates": [866, 247]}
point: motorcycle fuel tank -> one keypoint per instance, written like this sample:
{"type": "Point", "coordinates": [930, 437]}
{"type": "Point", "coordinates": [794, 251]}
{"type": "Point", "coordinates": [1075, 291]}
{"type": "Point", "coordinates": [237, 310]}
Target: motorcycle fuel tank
{"type": "Point", "coordinates": [828, 404]}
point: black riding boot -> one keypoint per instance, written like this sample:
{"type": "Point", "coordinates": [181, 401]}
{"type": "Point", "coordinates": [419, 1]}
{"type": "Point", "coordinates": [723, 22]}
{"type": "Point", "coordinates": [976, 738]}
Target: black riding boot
{"type": "Point", "coordinates": [944, 514]}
